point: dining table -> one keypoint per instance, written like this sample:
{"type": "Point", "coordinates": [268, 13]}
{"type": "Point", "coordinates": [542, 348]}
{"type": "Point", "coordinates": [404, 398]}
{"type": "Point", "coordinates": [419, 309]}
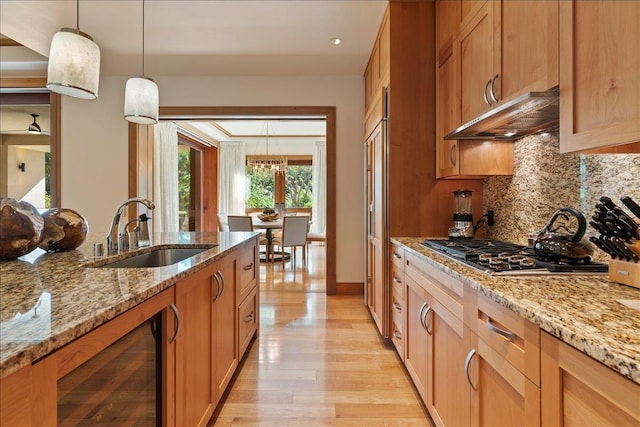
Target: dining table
{"type": "Point", "coordinates": [269, 226]}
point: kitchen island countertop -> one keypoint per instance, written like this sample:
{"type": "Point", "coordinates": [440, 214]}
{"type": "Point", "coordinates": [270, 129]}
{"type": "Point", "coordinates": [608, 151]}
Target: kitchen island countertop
{"type": "Point", "coordinates": [49, 299]}
{"type": "Point", "coordinates": [584, 311]}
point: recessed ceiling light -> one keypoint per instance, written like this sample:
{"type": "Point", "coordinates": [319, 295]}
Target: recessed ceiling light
{"type": "Point", "coordinates": [335, 41]}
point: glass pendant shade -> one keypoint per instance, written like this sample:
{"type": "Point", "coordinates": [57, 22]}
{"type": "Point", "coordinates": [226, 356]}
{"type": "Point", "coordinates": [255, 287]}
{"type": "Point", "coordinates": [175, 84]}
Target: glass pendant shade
{"type": "Point", "coordinates": [141, 101]}
{"type": "Point", "coordinates": [74, 64]}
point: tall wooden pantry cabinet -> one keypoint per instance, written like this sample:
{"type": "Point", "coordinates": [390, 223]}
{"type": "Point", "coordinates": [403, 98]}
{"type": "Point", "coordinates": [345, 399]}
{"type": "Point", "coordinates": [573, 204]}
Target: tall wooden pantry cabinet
{"type": "Point", "coordinates": [403, 197]}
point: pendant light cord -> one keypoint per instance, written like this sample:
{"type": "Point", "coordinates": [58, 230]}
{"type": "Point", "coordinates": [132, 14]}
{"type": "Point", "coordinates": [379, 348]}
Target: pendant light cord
{"type": "Point", "coordinates": [143, 37]}
{"type": "Point", "coordinates": [78, 15]}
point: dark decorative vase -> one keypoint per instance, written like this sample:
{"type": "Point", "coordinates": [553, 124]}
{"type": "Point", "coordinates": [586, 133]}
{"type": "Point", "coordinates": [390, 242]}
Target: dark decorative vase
{"type": "Point", "coordinates": [64, 230]}
{"type": "Point", "coordinates": [20, 228]}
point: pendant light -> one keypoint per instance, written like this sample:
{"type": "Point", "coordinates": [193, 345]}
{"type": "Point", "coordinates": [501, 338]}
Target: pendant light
{"type": "Point", "coordinates": [74, 62]}
{"type": "Point", "coordinates": [141, 99]}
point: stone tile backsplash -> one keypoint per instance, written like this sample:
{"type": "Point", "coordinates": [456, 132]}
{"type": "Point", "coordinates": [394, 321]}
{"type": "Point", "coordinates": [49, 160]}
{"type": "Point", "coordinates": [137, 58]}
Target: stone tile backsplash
{"type": "Point", "coordinates": [545, 180]}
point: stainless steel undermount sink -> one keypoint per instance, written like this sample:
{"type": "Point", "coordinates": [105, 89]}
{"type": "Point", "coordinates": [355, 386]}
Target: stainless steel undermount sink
{"type": "Point", "coordinates": [158, 257]}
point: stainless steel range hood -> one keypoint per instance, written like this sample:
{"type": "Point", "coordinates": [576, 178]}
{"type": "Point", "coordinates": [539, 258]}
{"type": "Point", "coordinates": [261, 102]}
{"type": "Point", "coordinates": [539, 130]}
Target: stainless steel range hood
{"type": "Point", "coordinates": [530, 113]}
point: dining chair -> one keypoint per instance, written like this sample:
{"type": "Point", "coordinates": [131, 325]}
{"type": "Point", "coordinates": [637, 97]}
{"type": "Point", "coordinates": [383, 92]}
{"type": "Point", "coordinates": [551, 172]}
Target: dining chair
{"type": "Point", "coordinates": [294, 234]}
{"type": "Point", "coordinates": [245, 223]}
{"type": "Point", "coordinates": [222, 222]}
{"type": "Point", "coordinates": [240, 223]}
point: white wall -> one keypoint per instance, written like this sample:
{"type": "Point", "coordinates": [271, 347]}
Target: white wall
{"type": "Point", "coordinates": [30, 184]}
{"type": "Point", "coordinates": [94, 143]}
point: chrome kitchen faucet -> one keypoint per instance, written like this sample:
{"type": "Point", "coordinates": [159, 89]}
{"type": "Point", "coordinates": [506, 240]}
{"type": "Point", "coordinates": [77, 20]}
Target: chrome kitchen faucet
{"type": "Point", "coordinates": [113, 240]}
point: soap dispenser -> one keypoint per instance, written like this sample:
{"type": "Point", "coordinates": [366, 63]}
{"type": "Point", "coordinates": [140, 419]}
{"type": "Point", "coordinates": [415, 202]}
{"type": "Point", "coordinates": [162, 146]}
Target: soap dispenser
{"type": "Point", "coordinates": [144, 238]}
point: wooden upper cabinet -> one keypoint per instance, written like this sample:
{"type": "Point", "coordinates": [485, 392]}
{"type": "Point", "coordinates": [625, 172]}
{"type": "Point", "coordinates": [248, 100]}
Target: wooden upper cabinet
{"type": "Point", "coordinates": [447, 113]}
{"type": "Point", "coordinates": [599, 75]}
{"type": "Point", "coordinates": [449, 17]}
{"type": "Point", "coordinates": [476, 63]}
{"type": "Point", "coordinates": [377, 72]}
{"type": "Point", "coordinates": [526, 47]}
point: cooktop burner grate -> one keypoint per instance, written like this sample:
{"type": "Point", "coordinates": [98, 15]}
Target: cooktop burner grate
{"type": "Point", "coordinates": [498, 257]}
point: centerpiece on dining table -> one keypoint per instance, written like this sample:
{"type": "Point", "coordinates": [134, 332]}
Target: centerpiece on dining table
{"type": "Point", "coordinates": [268, 214]}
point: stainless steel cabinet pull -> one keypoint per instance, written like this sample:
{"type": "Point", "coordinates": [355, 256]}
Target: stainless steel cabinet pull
{"type": "Point", "coordinates": [397, 279]}
{"type": "Point", "coordinates": [492, 94]}
{"type": "Point", "coordinates": [452, 158]}
{"type": "Point", "coordinates": [467, 362]}
{"type": "Point", "coordinates": [397, 335]}
{"type": "Point", "coordinates": [249, 318]}
{"type": "Point", "coordinates": [397, 306]}
{"type": "Point", "coordinates": [424, 317]}
{"type": "Point", "coordinates": [508, 335]}
{"type": "Point", "coordinates": [484, 94]}
{"type": "Point", "coordinates": [214, 276]}
{"type": "Point", "coordinates": [221, 280]}
{"type": "Point", "coordinates": [248, 267]}
{"type": "Point", "coordinates": [177, 315]}
{"type": "Point", "coordinates": [420, 314]}
{"type": "Point", "coordinates": [397, 255]}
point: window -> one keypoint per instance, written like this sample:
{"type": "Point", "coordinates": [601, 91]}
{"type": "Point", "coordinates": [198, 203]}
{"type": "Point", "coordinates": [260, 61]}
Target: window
{"type": "Point", "coordinates": [265, 188]}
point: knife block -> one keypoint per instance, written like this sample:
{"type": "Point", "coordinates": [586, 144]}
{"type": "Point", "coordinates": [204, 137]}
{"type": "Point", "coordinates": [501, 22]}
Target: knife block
{"type": "Point", "coordinates": [627, 273]}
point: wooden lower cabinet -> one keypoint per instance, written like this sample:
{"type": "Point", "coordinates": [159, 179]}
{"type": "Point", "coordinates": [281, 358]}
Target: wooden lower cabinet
{"type": "Point", "coordinates": [225, 327]}
{"type": "Point", "coordinates": [500, 394]}
{"type": "Point", "coordinates": [195, 396]}
{"type": "Point", "coordinates": [448, 394]}
{"type": "Point", "coordinates": [579, 391]}
{"type": "Point", "coordinates": [417, 336]}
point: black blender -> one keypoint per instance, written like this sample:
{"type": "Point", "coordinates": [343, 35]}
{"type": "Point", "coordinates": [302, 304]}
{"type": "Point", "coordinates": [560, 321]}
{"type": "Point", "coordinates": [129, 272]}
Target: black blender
{"type": "Point", "coordinates": [462, 218]}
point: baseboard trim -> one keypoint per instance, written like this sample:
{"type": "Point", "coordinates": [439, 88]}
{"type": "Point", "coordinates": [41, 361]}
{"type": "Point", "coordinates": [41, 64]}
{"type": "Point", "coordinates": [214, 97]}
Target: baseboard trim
{"type": "Point", "coordinates": [350, 288]}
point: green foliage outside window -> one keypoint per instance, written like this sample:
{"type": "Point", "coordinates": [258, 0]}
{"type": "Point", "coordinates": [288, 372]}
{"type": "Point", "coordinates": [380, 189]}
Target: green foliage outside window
{"type": "Point", "coordinates": [298, 190]}
{"type": "Point", "coordinates": [261, 188]}
{"type": "Point", "coordinates": [184, 181]}
{"type": "Point", "coordinates": [47, 180]}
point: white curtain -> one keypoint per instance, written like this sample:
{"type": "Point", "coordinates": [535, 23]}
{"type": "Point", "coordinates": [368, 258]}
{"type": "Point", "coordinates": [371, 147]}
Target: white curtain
{"type": "Point", "coordinates": [232, 178]}
{"type": "Point", "coordinates": [319, 183]}
{"type": "Point", "coordinates": [165, 177]}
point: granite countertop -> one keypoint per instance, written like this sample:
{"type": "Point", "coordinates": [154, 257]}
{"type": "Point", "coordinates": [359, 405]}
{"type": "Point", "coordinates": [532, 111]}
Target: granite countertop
{"type": "Point", "coordinates": [582, 310]}
{"type": "Point", "coordinates": [49, 299]}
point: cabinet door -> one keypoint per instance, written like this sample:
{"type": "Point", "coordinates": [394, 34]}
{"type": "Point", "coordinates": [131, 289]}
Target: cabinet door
{"type": "Point", "coordinates": [526, 47]}
{"type": "Point", "coordinates": [500, 394]}
{"type": "Point", "coordinates": [224, 326]}
{"type": "Point", "coordinates": [476, 63]}
{"type": "Point", "coordinates": [448, 396]}
{"type": "Point", "coordinates": [418, 336]}
{"type": "Point", "coordinates": [447, 114]}
{"type": "Point", "coordinates": [579, 391]}
{"type": "Point", "coordinates": [376, 297]}
{"type": "Point", "coordinates": [448, 18]}
{"type": "Point", "coordinates": [599, 78]}
{"type": "Point", "coordinates": [195, 397]}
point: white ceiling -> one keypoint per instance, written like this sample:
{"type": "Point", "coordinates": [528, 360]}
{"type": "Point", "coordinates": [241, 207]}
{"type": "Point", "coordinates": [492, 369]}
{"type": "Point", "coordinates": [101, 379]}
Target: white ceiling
{"type": "Point", "coordinates": [215, 37]}
{"type": "Point", "coordinates": [210, 37]}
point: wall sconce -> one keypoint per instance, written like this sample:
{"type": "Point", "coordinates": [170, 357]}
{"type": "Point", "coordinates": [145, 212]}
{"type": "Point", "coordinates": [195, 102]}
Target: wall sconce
{"type": "Point", "coordinates": [21, 166]}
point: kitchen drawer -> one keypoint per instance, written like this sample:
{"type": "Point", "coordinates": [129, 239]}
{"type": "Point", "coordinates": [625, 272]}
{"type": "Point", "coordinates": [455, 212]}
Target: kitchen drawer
{"type": "Point", "coordinates": [397, 256]}
{"type": "Point", "coordinates": [397, 325]}
{"type": "Point", "coordinates": [246, 270]}
{"type": "Point", "coordinates": [247, 320]}
{"type": "Point", "coordinates": [509, 335]}
{"type": "Point", "coordinates": [397, 282]}
{"type": "Point", "coordinates": [449, 291]}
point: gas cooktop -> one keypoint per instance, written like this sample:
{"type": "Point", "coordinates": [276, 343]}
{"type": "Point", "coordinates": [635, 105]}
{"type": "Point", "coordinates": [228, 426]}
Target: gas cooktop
{"type": "Point", "coordinates": [504, 258]}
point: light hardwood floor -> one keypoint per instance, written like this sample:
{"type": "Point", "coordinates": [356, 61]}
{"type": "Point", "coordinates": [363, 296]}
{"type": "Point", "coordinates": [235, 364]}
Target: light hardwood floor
{"type": "Point", "coordinates": [318, 360]}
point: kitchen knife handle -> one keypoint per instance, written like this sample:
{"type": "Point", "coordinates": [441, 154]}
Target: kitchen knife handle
{"type": "Point", "coordinates": [632, 205]}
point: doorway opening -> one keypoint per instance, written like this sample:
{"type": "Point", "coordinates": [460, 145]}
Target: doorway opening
{"type": "Point", "coordinates": [205, 199]}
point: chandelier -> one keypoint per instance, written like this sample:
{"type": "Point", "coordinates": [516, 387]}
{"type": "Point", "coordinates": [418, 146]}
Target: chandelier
{"type": "Point", "coordinates": [272, 163]}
